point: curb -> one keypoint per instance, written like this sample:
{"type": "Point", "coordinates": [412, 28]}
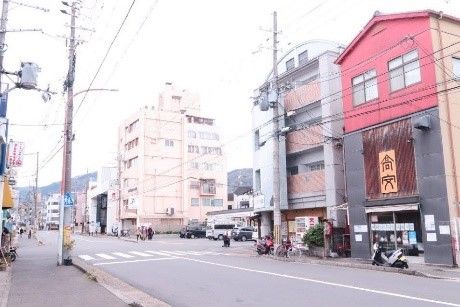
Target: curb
{"type": "Point", "coordinates": [363, 266]}
{"type": "Point", "coordinates": [124, 291]}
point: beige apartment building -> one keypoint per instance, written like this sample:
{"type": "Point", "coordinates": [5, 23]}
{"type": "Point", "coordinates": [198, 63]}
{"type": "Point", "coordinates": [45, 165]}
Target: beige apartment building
{"type": "Point", "coordinates": [172, 167]}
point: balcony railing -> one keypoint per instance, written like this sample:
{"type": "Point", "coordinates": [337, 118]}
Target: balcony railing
{"type": "Point", "coordinates": [306, 184]}
{"type": "Point", "coordinates": [303, 95]}
{"type": "Point", "coordinates": [304, 139]}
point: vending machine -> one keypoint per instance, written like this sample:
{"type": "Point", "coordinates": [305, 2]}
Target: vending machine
{"type": "Point", "coordinates": [302, 224]}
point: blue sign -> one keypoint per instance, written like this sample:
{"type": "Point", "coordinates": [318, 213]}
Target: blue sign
{"type": "Point", "coordinates": [3, 104]}
{"type": "Point", "coordinates": [412, 237]}
{"type": "Point", "coordinates": [68, 201]}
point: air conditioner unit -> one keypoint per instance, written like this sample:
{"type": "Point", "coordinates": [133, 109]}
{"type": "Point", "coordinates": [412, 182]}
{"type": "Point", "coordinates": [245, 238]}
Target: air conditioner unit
{"type": "Point", "coordinates": [169, 211]}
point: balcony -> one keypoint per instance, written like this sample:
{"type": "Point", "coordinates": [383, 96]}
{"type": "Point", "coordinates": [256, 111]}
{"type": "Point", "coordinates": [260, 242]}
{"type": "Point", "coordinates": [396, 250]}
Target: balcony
{"type": "Point", "coordinates": [301, 140]}
{"type": "Point", "coordinates": [306, 184]}
{"type": "Point", "coordinates": [303, 95]}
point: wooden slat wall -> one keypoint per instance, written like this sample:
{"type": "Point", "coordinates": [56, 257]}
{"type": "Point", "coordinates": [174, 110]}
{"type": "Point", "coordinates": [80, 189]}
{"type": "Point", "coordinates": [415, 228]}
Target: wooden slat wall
{"type": "Point", "coordinates": [395, 136]}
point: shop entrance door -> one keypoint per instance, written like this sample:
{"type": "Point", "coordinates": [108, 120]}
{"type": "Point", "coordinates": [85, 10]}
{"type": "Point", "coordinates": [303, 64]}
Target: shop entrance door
{"type": "Point", "coordinates": [397, 229]}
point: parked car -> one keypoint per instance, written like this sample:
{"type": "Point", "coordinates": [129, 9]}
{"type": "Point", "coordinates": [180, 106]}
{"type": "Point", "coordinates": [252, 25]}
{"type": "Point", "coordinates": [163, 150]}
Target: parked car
{"type": "Point", "coordinates": [195, 232]}
{"type": "Point", "coordinates": [217, 231]}
{"type": "Point", "coordinates": [244, 233]}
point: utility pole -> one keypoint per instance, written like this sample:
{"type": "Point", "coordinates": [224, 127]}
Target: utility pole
{"type": "Point", "coordinates": [3, 22]}
{"type": "Point", "coordinates": [119, 195]}
{"type": "Point", "coordinates": [65, 216]}
{"type": "Point", "coordinates": [36, 194]}
{"type": "Point", "coordinates": [276, 148]}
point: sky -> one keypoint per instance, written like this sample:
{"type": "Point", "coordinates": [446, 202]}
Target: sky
{"type": "Point", "coordinates": [217, 49]}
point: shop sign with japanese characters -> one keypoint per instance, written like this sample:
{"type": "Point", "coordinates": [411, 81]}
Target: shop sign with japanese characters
{"type": "Point", "coordinates": [15, 154]}
{"type": "Point", "coordinates": [387, 168]}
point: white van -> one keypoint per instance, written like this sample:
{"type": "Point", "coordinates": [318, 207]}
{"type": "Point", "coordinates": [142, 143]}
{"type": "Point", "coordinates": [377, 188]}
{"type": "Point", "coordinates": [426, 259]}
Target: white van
{"type": "Point", "coordinates": [217, 231]}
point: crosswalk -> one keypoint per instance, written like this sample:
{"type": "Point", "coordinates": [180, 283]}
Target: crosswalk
{"type": "Point", "coordinates": [147, 254]}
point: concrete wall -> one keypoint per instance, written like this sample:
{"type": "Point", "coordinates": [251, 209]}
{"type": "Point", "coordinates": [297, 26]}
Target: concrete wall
{"type": "Point", "coordinates": [431, 182]}
{"type": "Point", "coordinates": [449, 109]}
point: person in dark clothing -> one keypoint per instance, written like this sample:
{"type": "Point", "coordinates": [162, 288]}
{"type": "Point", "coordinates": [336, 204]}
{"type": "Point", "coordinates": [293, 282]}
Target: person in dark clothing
{"type": "Point", "coordinates": [150, 233]}
{"type": "Point", "coordinates": [226, 240]}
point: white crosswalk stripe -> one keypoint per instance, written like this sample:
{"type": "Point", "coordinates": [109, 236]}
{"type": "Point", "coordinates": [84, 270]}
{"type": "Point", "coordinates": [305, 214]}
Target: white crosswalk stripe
{"type": "Point", "coordinates": [148, 253]}
{"type": "Point", "coordinates": [123, 255]}
{"type": "Point", "coordinates": [158, 253]}
{"type": "Point", "coordinates": [86, 257]}
{"type": "Point", "coordinates": [105, 256]}
{"type": "Point", "coordinates": [140, 254]}
{"type": "Point", "coordinates": [173, 253]}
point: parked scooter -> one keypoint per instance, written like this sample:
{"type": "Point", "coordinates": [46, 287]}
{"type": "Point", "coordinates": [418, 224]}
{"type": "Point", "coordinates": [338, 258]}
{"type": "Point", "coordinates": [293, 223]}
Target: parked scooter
{"type": "Point", "coordinates": [265, 246]}
{"type": "Point", "coordinates": [393, 258]}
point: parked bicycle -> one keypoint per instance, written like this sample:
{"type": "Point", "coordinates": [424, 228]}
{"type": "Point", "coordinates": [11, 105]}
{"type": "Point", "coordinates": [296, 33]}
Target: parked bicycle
{"type": "Point", "coordinates": [282, 250]}
{"type": "Point", "coordinates": [297, 250]}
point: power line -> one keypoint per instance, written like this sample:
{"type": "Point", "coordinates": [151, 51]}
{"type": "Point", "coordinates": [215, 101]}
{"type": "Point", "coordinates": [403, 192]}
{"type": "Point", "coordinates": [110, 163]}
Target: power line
{"type": "Point", "coordinates": [105, 56]}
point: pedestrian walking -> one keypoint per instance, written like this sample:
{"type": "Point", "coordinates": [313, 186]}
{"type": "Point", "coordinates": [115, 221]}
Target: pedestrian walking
{"type": "Point", "coordinates": [21, 231]}
{"type": "Point", "coordinates": [30, 234]}
{"type": "Point", "coordinates": [138, 234]}
{"type": "Point", "coordinates": [150, 232]}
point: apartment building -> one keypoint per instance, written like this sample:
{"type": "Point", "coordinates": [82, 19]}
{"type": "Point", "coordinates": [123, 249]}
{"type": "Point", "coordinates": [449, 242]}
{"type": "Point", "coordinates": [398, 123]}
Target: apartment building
{"type": "Point", "coordinates": [310, 155]}
{"type": "Point", "coordinates": [172, 165]}
{"type": "Point", "coordinates": [102, 200]}
{"type": "Point", "coordinates": [52, 211]}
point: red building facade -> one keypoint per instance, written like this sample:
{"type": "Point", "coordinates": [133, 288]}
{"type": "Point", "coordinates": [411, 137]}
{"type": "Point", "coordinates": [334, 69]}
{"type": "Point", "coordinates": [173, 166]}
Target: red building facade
{"type": "Point", "coordinates": [396, 157]}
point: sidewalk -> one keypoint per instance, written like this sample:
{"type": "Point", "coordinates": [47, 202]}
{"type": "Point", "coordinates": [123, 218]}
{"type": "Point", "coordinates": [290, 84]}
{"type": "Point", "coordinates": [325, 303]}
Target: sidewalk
{"type": "Point", "coordinates": [36, 280]}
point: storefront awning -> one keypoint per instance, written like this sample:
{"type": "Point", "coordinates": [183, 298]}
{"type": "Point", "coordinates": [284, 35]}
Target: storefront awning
{"type": "Point", "coordinates": [393, 208]}
{"type": "Point", "coordinates": [7, 196]}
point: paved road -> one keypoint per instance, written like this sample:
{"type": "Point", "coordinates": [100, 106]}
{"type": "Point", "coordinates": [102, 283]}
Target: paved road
{"type": "Point", "coordinates": [199, 272]}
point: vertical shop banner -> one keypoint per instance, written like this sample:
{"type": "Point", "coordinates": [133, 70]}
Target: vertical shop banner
{"type": "Point", "coordinates": [15, 154]}
{"type": "Point", "coordinates": [387, 167]}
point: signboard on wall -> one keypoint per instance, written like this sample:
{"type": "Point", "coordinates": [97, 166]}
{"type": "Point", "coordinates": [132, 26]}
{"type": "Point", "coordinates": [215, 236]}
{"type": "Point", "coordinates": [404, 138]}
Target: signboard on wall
{"type": "Point", "coordinates": [387, 168]}
{"type": "Point", "coordinates": [132, 203]}
{"type": "Point", "coordinates": [259, 201]}
{"type": "Point", "coordinates": [15, 154]}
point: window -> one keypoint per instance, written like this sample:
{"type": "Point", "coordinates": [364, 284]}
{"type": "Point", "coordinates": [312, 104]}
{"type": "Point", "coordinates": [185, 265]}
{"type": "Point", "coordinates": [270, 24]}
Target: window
{"type": "Point", "coordinates": [131, 144]}
{"type": "Point", "coordinates": [194, 165]}
{"type": "Point", "coordinates": [365, 87]}
{"type": "Point", "coordinates": [206, 201]}
{"type": "Point", "coordinates": [456, 67]}
{"type": "Point", "coordinates": [55, 211]}
{"type": "Point", "coordinates": [131, 162]}
{"type": "Point", "coordinates": [195, 202]}
{"type": "Point", "coordinates": [125, 203]}
{"type": "Point", "coordinates": [303, 57]}
{"type": "Point", "coordinates": [257, 140]}
{"type": "Point", "coordinates": [211, 150]}
{"type": "Point", "coordinates": [193, 149]}
{"type": "Point", "coordinates": [217, 202]}
{"type": "Point", "coordinates": [204, 135]}
{"type": "Point", "coordinates": [291, 171]}
{"type": "Point", "coordinates": [404, 71]}
{"type": "Point", "coordinates": [290, 64]}
{"type": "Point", "coordinates": [208, 186]}
{"type": "Point", "coordinates": [132, 127]}
{"type": "Point", "coordinates": [192, 134]}
{"type": "Point", "coordinates": [194, 184]}
{"type": "Point", "coordinates": [257, 184]}
{"type": "Point", "coordinates": [317, 166]}
{"type": "Point", "coordinates": [169, 143]}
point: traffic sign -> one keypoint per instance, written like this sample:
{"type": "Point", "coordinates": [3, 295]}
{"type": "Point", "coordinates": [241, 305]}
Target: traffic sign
{"type": "Point", "coordinates": [68, 201]}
